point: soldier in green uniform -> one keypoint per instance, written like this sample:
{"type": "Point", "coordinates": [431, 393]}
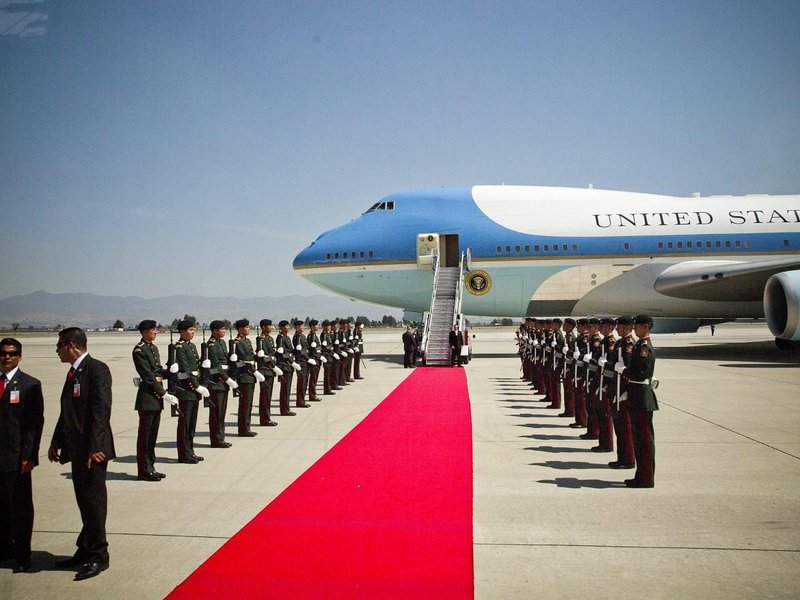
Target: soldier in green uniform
{"type": "Point", "coordinates": [284, 352]}
{"type": "Point", "coordinates": [605, 425]}
{"type": "Point", "coordinates": [358, 349]}
{"type": "Point", "coordinates": [619, 412]}
{"type": "Point", "coordinates": [189, 391]}
{"type": "Point", "coordinates": [569, 371]}
{"type": "Point", "coordinates": [150, 397]}
{"type": "Point", "coordinates": [592, 379]}
{"type": "Point", "coordinates": [314, 359]}
{"type": "Point", "coordinates": [265, 361]}
{"type": "Point", "coordinates": [219, 383]}
{"type": "Point", "coordinates": [582, 347]}
{"type": "Point", "coordinates": [300, 345]}
{"type": "Point", "coordinates": [326, 342]}
{"type": "Point", "coordinates": [246, 375]}
{"type": "Point", "coordinates": [639, 384]}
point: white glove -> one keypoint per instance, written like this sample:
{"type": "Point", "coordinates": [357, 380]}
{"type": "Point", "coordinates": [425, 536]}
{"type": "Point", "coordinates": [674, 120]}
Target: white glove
{"type": "Point", "coordinates": [324, 344]}
{"type": "Point", "coordinates": [356, 350]}
{"type": "Point", "coordinates": [336, 342]}
{"type": "Point", "coordinates": [587, 357]}
{"type": "Point", "coordinates": [232, 384]}
{"type": "Point", "coordinates": [311, 361]}
{"type": "Point", "coordinates": [260, 354]}
{"type": "Point", "coordinates": [295, 366]}
{"type": "Point", "coordinates": [565, 349]}
{"type": "Point", "coordinates": [280, 350]}
{"type": "Point", "coordinates": [619, 366]}
{"type": "Point", "coordinates": [350, 351]}
{"type": "Point", "coordinates": [298, 347]}
{"type": "Point", "coordinates": [203, 391]}
{"type": "Point", "coordinates": [259, 377]}
{"type": "Point", "coordinates": [234, 358]}
{"type": "Point", "coordinates": [206, 364]}
{"type": "Point", "coordinates": [602, 362]}
{"type": "Point", "coordinates": [576, 355]}
{"type": "Point", "coordinates": [171, 399]}
{"type": "Point", "coordinates": [536, 343]}
{"type": "Point", "coordinates": [313, 344]}
{"type": "Point", "coordinates": [335, 356]}
{"type": "Point", "coordinates": [173, 368]}
{"type": "Point", "coordinates": [323, 359]}
{"type": "Point", "coordinates": [553, 344]}
{"type": "Point", "coordinates": [277, 371]}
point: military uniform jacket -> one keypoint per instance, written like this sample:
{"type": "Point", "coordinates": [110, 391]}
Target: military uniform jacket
{"type": "Point", "coordinates": [640, 370]}
{"type": "Point", "coordinates": [84, 424]}
{"type": "Point", "coordinates": [358, 336]}
{"type": "Point", "coordinates": [268, 347]}
{"type": "Point", "coordinates": [21, 421]}
{"type": "Point", "coordinates": [246, 365]}
{"type": "Point", "coordinates": [147, 361]}
{"type": "Point", "coordinates": [218, 357]}
{"type": "Point", "coordinates": [314, 347]}
{"type": "Point", "coordinates": [326, 343]}
{"type": "Point", "coordinates": [300, 344]}
{"type": "Point", "coordinates": [287, 356]}
{"type": "Point", "coordinates": [188, 369]}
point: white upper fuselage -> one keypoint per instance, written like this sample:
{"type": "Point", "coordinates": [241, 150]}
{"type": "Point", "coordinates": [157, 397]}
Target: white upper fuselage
{"type": "Point", "coordinates": [551, 251]}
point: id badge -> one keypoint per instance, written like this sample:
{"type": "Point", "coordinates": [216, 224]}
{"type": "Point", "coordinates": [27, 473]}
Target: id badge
{"type": "Point", "coordinates": [14, 397]}
{"type": "Point", "coordinates": [76, 390]}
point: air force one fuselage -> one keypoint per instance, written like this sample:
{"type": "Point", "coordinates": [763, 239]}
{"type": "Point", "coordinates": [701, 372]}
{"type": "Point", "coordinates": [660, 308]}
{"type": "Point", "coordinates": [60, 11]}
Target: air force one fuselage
{"type": "Point", "coordinates": [548, 251]}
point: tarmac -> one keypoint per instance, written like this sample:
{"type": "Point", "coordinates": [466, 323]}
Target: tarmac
{"type": "Point", "coordinates": [550, 519]}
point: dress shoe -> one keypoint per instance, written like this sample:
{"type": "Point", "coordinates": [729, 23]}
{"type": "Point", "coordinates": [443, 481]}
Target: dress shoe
{"type": "Point", "coordinates": [633, 483]}
{"type": "Point", "coordinates": [161, 475]}
{"type": "Point", "coordinates": [577, 425]}
{"type": "Point", "coordinates": [338, 387]}
{"type": "Point", "coordinates": [564, 414]}
{"type": "Point", "coordinates": [222, 445]}
{"type": "Point", "coordinates": [268, 424]}
{"type": "Point", "coordinates": [68, 563]}
{"type": "Point", "coordinates": [188, 461]}
{"type": "Point", "coordinates": [620, 465]}
{"type": "Point", "coordinates": [89, 570]}
{"type": "Point", "coordinates": [248, 434]}
{"type": "Point", "coordinates": [21, 566]}
{"type": "Point", "coordinates": [288, 414]}
{"type": "Point", "coordinates": [315, 399]}
{"type": "Point", "coordinates": [601, 449]}
{"type": "Point", "coordinates": [197, 458]}
{"type": "Point", "coordinates": [554, 407]}
{"type": "Point", "coordinates": [148, 477]}
{"type": "Point", "coordinates": [303, 405]}
{"type": "Point", "coordinates": [363, 378]}
{"type": "Point", "coordinates": [329, 394]}
{"type": "Point", "coordinates": [589, 436]}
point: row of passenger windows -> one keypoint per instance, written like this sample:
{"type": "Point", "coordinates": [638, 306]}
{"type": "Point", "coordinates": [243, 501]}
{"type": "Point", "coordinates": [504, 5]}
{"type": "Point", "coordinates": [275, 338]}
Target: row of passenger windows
{"type": "Point", "coordinates": [545, 248]}
{"type": "Point", "coordinates": [354, 254]}
{"type": "Point", "coordinates": [518, 248]}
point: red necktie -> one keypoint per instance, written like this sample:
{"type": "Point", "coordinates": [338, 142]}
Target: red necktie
{"type": "Point", "coordinates": [2, 384]}
{"type": "Point", "coordinates": [71, 373]}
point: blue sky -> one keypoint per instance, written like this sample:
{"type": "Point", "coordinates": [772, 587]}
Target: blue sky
{"type": "Point", "coordinates": [158, 148]}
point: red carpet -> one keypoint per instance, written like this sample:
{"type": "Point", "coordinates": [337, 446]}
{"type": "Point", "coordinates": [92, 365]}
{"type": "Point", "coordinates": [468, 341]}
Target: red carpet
{"type": "Point", "coordinates": [386, 513]}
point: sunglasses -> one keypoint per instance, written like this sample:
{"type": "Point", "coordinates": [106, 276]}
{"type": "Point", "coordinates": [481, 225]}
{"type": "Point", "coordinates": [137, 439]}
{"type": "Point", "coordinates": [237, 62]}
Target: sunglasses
{"type": "Point", "coordinates": [9, 353]}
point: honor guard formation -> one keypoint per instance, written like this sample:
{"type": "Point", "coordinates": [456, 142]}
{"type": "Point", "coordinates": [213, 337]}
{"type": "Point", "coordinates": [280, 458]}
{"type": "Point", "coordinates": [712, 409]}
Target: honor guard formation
{"type": "Point", "coordinates": [83, 435]}
{"type": "Point", "coordinates": [607, 381]}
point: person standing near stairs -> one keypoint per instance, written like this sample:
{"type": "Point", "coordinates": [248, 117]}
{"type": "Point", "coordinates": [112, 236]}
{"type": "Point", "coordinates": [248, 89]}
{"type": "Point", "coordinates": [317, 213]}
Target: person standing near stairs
{"type": "Point", "coordinates": [456, 342]}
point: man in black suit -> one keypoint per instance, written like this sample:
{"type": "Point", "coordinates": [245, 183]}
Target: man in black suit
{"type": "Point", "coordinates": [409, 348]}
{"type": "Point", "coordinates": [83, 437]}
{"type": "Point", "coordinates": [456, 341]}
{"type": "Point", "coordinates": [21, 422]}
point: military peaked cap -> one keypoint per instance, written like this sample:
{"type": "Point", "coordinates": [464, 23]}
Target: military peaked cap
{"type": "Point", "coordinates": [147, 324]}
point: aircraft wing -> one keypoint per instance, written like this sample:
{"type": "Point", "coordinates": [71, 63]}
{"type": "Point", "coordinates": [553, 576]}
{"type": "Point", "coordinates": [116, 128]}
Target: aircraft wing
{"type": "Point", "coordinates": [719, 281]}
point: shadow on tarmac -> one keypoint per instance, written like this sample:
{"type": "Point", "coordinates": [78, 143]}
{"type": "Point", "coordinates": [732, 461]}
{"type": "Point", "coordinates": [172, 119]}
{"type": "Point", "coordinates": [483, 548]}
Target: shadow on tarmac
{"type": "Point", "coordinates": [573, 483]}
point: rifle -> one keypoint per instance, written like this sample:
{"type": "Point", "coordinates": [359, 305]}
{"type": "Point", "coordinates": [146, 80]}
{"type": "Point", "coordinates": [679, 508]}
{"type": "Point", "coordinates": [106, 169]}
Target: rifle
{"type": "Point", "coordinates": [172, 378]}
{"type": "Point", "coordinates": [618, 378]}
{"type": "Point", "coordinates": [205, 375]}
{"type": "Point", "coordinates": [231, 353]}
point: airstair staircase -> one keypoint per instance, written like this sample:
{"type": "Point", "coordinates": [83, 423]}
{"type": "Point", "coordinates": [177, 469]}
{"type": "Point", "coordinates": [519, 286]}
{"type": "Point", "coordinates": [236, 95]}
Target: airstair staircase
{"type": "Point", "coordinates": [445, 311]}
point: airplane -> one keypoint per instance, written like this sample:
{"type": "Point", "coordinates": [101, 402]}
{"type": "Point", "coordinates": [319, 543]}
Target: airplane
{"type": "Point", "coordinates": [553, 251]}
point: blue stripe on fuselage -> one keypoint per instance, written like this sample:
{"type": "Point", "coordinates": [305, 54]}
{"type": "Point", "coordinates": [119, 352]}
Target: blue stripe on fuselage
{"type": "Point", "coordinates": [390, 235]}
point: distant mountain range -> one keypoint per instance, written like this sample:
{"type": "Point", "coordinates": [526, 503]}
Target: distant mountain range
{"type": "Point", "coordinates": [43, 309]}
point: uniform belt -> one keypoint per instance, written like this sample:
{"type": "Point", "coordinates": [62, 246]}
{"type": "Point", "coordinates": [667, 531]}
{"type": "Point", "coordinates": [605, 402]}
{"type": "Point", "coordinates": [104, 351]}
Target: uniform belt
{"type": "Point", "coordinates": [224, 367]}
{"type": "Point", "coordinates": [195, 373]}
{"type": "Point", "coordinates": [249, 362]}
{"type": "Point", "coordinates": [645, 382]}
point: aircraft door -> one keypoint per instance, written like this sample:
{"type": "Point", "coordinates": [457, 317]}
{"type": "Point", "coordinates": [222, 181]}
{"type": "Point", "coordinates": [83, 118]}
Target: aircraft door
{"type": "Point", "coordinates": [448, 249]}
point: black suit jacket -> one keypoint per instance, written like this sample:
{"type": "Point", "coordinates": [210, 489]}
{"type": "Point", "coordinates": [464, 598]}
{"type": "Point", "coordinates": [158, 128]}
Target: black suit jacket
{"type": "Point", "coordinates": [456, 339]}
{"type": "Point", "coordinates": [21, 423]}
{"type": "Point", "coordinates": [84, 424]}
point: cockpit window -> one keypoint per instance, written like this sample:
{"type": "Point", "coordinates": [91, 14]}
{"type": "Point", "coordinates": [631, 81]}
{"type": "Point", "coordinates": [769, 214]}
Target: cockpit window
{"type": "Point", "coordinates": [382, 206]}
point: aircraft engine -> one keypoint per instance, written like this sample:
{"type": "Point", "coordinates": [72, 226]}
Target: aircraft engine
{"type": "Point", "coordinates": [782, 305]}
